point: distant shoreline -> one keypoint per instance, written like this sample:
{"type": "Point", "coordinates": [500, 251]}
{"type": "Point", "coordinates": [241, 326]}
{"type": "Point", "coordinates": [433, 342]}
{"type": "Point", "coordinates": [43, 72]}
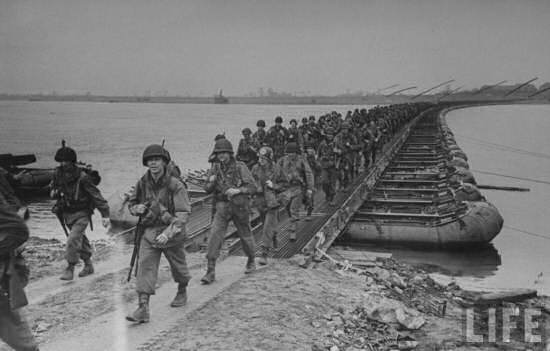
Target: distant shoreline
{"type": "Point", "coordinates": [274, 100]}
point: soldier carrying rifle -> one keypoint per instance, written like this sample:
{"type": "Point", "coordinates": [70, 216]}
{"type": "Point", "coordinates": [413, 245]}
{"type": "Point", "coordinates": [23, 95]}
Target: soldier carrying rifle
{"type": "Point", "coordinates": [162, 203]}
{"type": "Point", "coordinates": [77, 196]}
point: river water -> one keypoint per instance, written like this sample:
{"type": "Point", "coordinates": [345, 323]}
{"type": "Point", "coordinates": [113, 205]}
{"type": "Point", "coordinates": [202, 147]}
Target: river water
{"type": "Point", "coordinates": [508, 140]}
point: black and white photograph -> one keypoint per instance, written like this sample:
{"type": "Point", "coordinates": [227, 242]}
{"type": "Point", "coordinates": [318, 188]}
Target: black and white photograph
{"type": "Point", "coordinates": [355, 175]}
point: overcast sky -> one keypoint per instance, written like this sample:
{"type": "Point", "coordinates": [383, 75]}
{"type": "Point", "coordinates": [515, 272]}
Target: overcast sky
{"type": "Point", "coordinates": [128, 47]}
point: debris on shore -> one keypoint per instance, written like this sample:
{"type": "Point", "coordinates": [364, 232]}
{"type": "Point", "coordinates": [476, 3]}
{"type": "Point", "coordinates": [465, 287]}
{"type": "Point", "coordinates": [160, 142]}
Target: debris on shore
{"type": "Point", "coordinates": [407, 310]}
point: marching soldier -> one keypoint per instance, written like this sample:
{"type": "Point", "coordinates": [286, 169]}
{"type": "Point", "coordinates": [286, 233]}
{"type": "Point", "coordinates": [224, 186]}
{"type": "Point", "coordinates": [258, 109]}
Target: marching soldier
{"type": "Point", "coordinates": [14, 275]}
{"type": "Point", "coordinates": [326, 155]}
{"type": "Point", "coordinates": [295, 135]}
{"type": "Point", "coordinates": [246, 152]}
{"type": "Point", "coordinates": [347, 145]}
{"type": "Point", "coordinates": [311, 159]}
{"type": "Point", "coordinates": [77, 196]}
{"type": "Point", "coordinates": [375, 135]}
{"type": "Point", "coordinates": [162, 203]}
{"type": "Point", "coordinates": [277, 137]}
{"type": "Point", "coordinates": [259, 135]}
{"type": "Point", "coordinates": [231, 182]}
{"type": "Point", "coordinates": [300, 179]}
{"type": "Point", "coordinates": [271, 182]}
{"type": "Point", "coordinates": [304, 126]}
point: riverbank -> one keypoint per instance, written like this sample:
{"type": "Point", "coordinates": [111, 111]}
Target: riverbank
{"type": "Point", "coordinates": [371, 99]}
{"type": "Point", "coordinates": [381, 304]}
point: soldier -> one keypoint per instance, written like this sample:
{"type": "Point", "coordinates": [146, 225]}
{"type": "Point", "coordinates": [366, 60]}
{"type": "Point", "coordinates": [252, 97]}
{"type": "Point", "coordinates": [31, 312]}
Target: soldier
{"type": "Point", "coordinates": [247, 152]}
{"type": "Point", "coordinates": [162, 203]}
{"type": "Point", "coordinates": [77, 196]}
{"type": "Point", "coordinates": [300, 179]}
{"type": "Point", "coordinates": [311, 159]}
{"type": "Point", "coordinates": [375, 133]}
{"type": "Point", "coordinates": [347, 145]}
{"type": "Point", "coordinates": [277, 137]}
{"type": "Point", "coordinates": [259, 136]}
{"type": "Point", "coordinates": [14, 275]}
{"type": "Point", "coordinates": [367, 141]}
{"type": "Point", "coordinates": [326, 155]}
{"type": "Point", "coordinates": [231, 182]}
{"type": "Point", "coordinates": [271, 182]}
{"type": "Point", "coordinates": [212, 157]}
{"type": "Point", "coordinates": [304, 126]}
{"type": "Point", "coordinates": [294, 135]}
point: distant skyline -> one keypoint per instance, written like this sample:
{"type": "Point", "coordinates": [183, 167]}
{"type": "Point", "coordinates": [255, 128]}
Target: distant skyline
{"type": "Point", "coordinates": [178, 47]}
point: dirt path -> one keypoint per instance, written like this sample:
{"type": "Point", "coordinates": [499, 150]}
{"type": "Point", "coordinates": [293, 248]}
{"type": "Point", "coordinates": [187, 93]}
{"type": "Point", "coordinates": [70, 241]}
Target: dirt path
{"type": "Point", "coordinates": [110, 331]}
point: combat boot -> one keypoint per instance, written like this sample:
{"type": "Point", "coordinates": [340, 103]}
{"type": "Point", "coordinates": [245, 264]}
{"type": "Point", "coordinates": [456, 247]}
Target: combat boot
{"type": "Point", "coordinates": [87, 270]}
{"type": "Point", "coordinates": [250, 265]}
{"type": "Point", "coordinates": [181, 296]}
{"type": "Point", "coordinates": [263, 258]}
{"type": "Point", "coordinates": [141, 314]}
{"type": "Point", "coordinates": [210, 275]}
{"type": "Point", "coordinates": [68, 274]}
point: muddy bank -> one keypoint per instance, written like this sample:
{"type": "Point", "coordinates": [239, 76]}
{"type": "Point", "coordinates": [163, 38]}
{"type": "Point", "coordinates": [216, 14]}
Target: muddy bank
{"type": "Point", "coordinates": [46, 257]}
{"type": "Point", "coordinates": [378, 305]}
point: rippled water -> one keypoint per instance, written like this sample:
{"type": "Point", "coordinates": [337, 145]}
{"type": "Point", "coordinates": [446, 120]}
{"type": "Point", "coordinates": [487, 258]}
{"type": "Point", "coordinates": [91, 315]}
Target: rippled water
{"type": "Point", "coordinates": [512, 141]}
{"type": "Point", "coordinates": [112, 138]}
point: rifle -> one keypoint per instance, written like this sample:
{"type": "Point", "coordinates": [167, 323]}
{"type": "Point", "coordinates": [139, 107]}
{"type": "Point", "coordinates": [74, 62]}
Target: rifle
{"type": "Point", "coordinates": [56, 209]}
{"type": "Point", "coordinates": [135, 254]}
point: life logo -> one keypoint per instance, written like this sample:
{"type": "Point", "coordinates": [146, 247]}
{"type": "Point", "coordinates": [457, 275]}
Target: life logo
{"type": "Point", "coordinates": [509, 324]}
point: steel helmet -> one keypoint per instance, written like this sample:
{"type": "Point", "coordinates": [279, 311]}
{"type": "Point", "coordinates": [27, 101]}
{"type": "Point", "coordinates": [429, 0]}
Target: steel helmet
{"type": "Point", "coordinates": [223, 145]}
{"type": "Point", "coordinates": [65, 154]}
{"type": "Point", "coordinates": [260, 123]}
{"type": "Point", "coordinates": [246, 131]}
{"type": "Point", "coordinates": [291, 148]}
{"type": "Point", "coordinates": [304, 120]}
{"type": "Point", "coordinates": [293, 120]}
{"type": "Point", "coordinates": [155, 150]}
{"type": "Point", "coordinates": [278, 119]}
{"type": "Point", "coordinates": [266, 152]}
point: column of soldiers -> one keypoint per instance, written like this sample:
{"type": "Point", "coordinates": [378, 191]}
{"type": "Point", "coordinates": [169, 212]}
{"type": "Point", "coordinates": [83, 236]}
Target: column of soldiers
{"type": "Point", "coordinates": [335, 147]}
{"type": "Point", "coordinates": [277, 168]}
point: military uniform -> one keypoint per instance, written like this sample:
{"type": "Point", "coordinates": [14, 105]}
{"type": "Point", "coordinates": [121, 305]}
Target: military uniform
{"type": "Point", "coordinates": [259, 136]}
{"type": "Point", "coordinates": [300, 179]}
{"type": "Point", "coordinates": [168, 209]}
{"type": "Point", "coordinates": [246, 152]}
{"type": "Point", "coordinates": [327, 160]}
{"type": "Point", "coordinates": [276, 138]}
{"type": "Point", "coordinates": [294, 135]}
{"type": "Point", "coordinates": [14, 330]}
{"type": "Point", "coordinates": [347, 145]}
{"type": "Point", "coordinates": [225, 176]}
{"type": "Point", "coordinates": [271, 183]}
{"type": "Point", "coordinates": [77, 197]}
